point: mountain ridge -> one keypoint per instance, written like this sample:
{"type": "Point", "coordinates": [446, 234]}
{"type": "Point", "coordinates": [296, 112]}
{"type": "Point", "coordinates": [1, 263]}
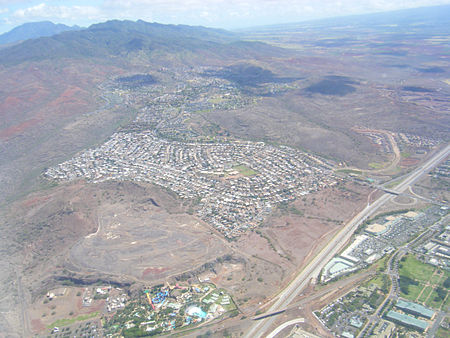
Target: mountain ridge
{"type": "Point", "coordinates": [119, 38]}
{"type": "Point", "coordinates": [33, 30]}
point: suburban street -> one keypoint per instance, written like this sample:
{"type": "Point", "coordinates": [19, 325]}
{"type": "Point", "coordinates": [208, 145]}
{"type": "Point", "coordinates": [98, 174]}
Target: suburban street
{"type": "Point", "coordinates": [313, 269]}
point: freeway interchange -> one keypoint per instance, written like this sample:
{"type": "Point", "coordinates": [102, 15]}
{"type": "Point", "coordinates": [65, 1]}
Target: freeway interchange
{"type": "Point", "coordinates": [312, 270]}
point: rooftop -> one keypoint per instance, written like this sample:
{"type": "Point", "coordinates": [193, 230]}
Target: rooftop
{"type": "Point", "coordinates": [407, 320]}
{"type": "Point", "coordinates": [376, 228]}
{"type": "Point", "coordinates": [415, 308]}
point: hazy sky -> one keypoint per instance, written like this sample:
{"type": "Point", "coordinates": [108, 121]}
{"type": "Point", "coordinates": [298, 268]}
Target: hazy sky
{"type": "Point", "coordinates": [213, 13]}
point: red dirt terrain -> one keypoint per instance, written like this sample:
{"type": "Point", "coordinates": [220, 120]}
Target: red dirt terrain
{"type": "Point", "coordinates": [43, 118]}
{"type": "Point", "coordinates": [37, 325]}
{"type": "Point", "coordinates": [37, 94]}
{"type": "Point", "coordinates": [154, 271]}
{"type": "Point", "coordinates": [17, 129]}
{"type": "Point", "coordinates": [286, 241]}
{"type": "Point", "coordinates": [409, 162]}
{"type": "Point", "coordinates": [71, 99]}
{"type": "Point", "coordinates": [295, 231]}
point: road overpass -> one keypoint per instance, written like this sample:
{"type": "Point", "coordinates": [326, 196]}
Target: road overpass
{"type": "Point", "coordinates": [285, 325]}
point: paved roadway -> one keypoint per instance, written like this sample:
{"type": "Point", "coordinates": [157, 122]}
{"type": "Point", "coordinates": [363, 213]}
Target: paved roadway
{"type": "Point", "coordinates": [313, 269]}
{"type": "Point", "coordinates": [437, 322]}
{"type": "Point", "coordinates": [285, 325]}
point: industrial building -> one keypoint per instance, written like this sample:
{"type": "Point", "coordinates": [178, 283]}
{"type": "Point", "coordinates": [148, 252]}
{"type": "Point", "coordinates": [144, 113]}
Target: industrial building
{"type": "Point", "coordinates": [407, 321]}
{"type": "Point", "coordinates": [415, 309]}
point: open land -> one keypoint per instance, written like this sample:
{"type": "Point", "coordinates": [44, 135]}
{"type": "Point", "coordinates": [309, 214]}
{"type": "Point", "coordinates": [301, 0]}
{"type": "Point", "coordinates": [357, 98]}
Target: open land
{"type": "Point", "coordinates": [227, 175]}
{"type": "Point", "coordinates": [138, 242]}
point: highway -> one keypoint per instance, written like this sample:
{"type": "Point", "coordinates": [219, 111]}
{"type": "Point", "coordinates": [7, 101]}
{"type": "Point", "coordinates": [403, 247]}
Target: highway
{"type": "Point", "coordinates": [285, 325]}
{"type": "Point", "coordinates": [313, 269]}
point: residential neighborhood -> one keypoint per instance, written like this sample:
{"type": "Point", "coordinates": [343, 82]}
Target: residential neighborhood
{"type": "Point", "coordinates": [234, 184]}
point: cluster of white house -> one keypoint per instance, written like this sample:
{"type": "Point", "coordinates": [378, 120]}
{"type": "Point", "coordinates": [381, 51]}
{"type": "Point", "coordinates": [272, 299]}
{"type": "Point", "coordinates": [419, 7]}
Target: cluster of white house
{"type": "Point", "coordinates": [234, 184]}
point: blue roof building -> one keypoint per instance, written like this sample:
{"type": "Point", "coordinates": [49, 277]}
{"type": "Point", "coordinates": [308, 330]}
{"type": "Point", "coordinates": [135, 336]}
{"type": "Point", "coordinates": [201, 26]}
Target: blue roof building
{"type": "Point", "coordinates": [415, 309]}
{"type": "Point", "coordinates": [407, 321]}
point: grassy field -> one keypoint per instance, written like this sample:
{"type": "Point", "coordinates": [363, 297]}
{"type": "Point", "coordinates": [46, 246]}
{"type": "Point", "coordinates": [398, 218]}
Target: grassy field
{"type": "Point", "coordinates": [414, 291]}
{"type": "Point", "coordinates": [415, 269]}
{"type": "Point", "coordinates": [349, 171]}
{"type": "Point", "coordinates": [378, 281]}
{"type": "Point", "coordinates": [426, 292]}
{"type": "Point", "coordinates": [228, 307]}
{"type": "Point", "coordinates": [443, 333]}
{"type": "Point", "coordinates": [374, 165]}
{"type": "Point", "coordinates": [382, 263]}
{"type": "Point", "coordinates": [69, 321]}
{"type": "Point", "coordinates": [428, 277]}
{"type": "Point", "coordinates": [405, 154]}
{"type": "Point", "coordinates": [431, 303]}
{"type": "Point", "coordinates": [435, 279]}
{"type": "Point", "coordinates": [244, 170]}
{"type": "Point", "coordinates": [216, 99]}
{"type": "Point", "coordinates": [446, 303]}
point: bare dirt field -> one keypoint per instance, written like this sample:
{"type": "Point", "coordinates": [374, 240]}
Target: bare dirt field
{"type": "Point", "coordinates": [436, 188]}
{"type": "Point", "coordinates": [53, 232]}
{"type": "Point", "coordinates": [409, 162]}
{"type": "Point", "coordinates": [123, 231]}
{"type": "Point", "coordinates": [155, 233]}
{"type": "Point", "coordinates": [146, 242]}
{"type": "Point", "coordinates": [312, 219]}
{"type": "Point", "coordinates": [291, 236]}
{"type": "Point", "coordinates": [45, 311]}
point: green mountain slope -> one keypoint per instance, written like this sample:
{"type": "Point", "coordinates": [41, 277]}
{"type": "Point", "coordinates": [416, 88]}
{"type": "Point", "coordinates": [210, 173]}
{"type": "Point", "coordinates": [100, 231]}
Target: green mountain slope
{"type": "Point", "coordinates": [33, 30]}
{"type": "Point", "coordinates": [119, 38]}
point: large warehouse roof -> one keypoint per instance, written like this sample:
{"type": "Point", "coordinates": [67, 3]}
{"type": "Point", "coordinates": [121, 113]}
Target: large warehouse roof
{"type": "Point", "coordinates": [407, 320]}
{"type": "Point", "coordinates": [415, 309]}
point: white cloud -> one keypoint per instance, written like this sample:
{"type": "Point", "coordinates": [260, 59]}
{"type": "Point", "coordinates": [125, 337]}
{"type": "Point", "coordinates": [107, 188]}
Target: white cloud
{"type": "Point", "coordinates": [216, 13]}
{"type": "Point", "coordinates": [61, 12]}
{"type": "Point", "coordinates": [11, 2]}
{"type": "Point", "coordinates": [249, 11]}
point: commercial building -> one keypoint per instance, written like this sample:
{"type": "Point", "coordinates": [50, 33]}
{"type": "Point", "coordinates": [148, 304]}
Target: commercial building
{"type": "Point", "coordinates": [415, 309]}
{"type": "Point", "coordinates": [407, 321]}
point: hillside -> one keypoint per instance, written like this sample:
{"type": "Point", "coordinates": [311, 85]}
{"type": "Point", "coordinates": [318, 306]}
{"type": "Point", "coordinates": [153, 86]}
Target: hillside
{"type": "Point", "coordinates": [111, 132]}
{"type": "Point", "coordinates": [388, 71]}
{"type": "Point", "coordinates": [121, 38]}
{"type": "Point", "coordinates": [49, 82]}
{"type": "Point", "coordinates": [33, 30]}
